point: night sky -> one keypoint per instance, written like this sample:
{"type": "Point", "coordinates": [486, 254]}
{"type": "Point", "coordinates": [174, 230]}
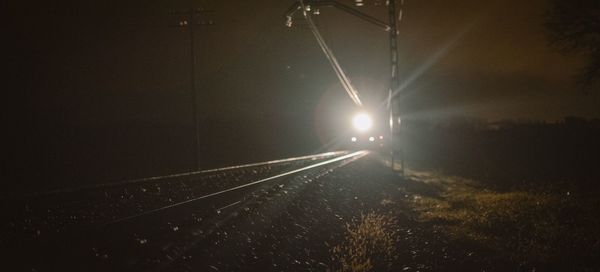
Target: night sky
{"type": "Point", "coordinates": [263, 87]}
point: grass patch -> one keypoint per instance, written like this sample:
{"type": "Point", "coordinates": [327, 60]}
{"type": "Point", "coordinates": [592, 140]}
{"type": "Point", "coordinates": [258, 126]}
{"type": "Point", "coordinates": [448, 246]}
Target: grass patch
{"type": "Point", "coordinates": [369, 244]}
{"type": "Point", "coordinates": [533, 227]}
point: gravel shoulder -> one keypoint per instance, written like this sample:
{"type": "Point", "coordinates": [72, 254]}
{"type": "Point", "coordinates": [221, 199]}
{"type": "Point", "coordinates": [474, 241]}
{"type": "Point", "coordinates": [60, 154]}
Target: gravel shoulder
{"type": "Point", "coordinates": [353, 215]}
{"type": "Point", "coordinates": [358, 217]}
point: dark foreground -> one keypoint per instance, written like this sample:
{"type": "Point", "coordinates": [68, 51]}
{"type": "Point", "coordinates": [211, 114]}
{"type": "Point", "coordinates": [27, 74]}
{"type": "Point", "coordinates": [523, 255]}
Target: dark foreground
{"type": "Point", "coordinates": [352, 215]}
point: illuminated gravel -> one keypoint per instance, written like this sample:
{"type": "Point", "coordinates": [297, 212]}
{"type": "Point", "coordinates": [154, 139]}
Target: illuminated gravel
{"type": "Point", "coordinates": [351, 215]}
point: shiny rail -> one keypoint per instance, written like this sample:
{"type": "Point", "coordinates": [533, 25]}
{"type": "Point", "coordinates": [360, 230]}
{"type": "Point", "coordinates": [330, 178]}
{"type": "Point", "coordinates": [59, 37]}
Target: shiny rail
{"type": "Point", "coordinates": [357, 154]}
{"type": "Point", "coordinates": [186, 174]}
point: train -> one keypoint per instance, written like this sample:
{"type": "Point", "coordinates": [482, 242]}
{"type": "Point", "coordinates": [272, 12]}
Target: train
{"type": "Point", "coordinates": [366, 134]}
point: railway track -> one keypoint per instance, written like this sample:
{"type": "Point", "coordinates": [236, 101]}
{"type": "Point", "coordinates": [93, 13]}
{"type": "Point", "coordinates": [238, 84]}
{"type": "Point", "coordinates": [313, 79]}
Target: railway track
{"type": "Point", "coordinates": [146, 224]}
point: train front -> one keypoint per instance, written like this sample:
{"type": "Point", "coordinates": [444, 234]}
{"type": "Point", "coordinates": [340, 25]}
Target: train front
{"type": "Point", "coordinates": [366, 133]}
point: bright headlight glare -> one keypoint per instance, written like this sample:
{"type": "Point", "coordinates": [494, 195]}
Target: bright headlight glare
{"type": "Point", "coordinates": [362, 122]}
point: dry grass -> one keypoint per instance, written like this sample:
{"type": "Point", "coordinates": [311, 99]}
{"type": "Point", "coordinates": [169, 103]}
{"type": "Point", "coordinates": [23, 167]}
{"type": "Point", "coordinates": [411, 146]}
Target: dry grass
{"type": "Point", "coordinates": [369, 243]}
{"type": "Point", "coordinates": [529, 226]}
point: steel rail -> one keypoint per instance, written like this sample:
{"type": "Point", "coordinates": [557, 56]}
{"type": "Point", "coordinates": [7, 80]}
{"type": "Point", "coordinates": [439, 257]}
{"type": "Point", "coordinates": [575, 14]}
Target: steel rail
{"type": "Point", "coordinates": [358, 153]}
{"type": "Point", "coordinates": [179, 175]}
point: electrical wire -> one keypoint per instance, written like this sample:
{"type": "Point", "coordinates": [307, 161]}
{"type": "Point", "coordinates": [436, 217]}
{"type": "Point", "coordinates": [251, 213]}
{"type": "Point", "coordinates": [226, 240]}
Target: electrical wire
{"type": "Point", "coordinates": [344, 80]}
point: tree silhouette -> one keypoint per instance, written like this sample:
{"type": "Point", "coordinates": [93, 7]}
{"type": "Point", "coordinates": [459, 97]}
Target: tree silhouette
{"type": "Point", "coordinates": [573, 27]}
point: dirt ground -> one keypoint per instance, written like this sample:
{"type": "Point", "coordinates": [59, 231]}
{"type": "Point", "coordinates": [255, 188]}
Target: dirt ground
{"type": "Point", "coordinates": [356, 216]}
{"type": "Point", "coordinates": [360, 217]}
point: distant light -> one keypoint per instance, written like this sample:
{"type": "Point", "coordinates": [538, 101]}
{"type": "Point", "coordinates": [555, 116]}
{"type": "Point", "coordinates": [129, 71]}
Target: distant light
{"type": "Point", "coordinates": [353, 139]}
{"type": "Point", "coordinates": [371, 139]}
{"type": "Point", "coordinates": [380, 137]}
{"type": "Point", "coordinates": [362, 122]}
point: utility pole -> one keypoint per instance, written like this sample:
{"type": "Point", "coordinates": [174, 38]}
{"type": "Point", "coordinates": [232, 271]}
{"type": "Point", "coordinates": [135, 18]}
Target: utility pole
{"type": "Point", "coordinates": [394, 81]}
{"type": "Point", "coordinates": [191, 19]}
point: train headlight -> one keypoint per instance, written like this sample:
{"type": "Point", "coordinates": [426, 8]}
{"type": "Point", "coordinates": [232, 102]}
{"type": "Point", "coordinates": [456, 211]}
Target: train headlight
{"type": "Point", "coordinates": [371, 139]}
{"type": "Point", "coordinates": [362, 122]}
{"type": "Point", "coordinates": [353, 139]}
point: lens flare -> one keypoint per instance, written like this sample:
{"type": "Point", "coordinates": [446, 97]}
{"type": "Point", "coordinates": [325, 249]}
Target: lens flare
{"type": "Point", "coordinates": [362, 122]}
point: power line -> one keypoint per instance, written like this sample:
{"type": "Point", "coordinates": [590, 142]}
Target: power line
{"type": "Point", "coordinates": [331, 57]}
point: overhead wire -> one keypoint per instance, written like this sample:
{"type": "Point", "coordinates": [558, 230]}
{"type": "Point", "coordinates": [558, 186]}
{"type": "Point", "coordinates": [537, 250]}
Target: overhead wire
{"type": "Point", "coordinates": [344, 80]}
